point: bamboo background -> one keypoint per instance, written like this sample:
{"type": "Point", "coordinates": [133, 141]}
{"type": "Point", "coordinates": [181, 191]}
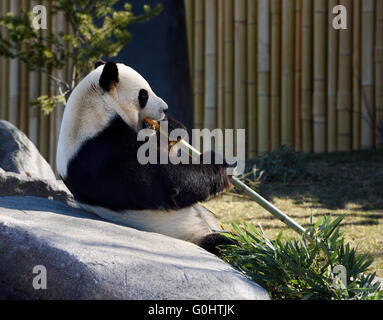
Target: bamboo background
{"type": "Point", "coordinates": [274, 67]}
{"type": "Point", "coordinates": [19, 86]}
{"type": "Point", "coordinates": [282, 72]}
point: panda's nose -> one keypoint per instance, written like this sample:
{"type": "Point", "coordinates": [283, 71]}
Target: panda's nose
{"type": "Point", "coordinates": [163, 106]}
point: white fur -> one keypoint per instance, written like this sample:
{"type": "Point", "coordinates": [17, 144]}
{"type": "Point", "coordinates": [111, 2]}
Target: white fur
{"type": "Point", "coordinates": [190, 224]}
{"type": "Point", "coordinates": [90, 108]}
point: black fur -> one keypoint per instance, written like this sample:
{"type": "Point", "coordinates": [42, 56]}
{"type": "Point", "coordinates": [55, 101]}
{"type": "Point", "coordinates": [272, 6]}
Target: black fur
{"type": "Point", "coordinates": [211, 242]}
{"type": "Point", "coordinates": [143, 98]}
{"type": "Point", "coordinates": [105, 172]}
{"type": "Point", "coordinates": [109, 76]}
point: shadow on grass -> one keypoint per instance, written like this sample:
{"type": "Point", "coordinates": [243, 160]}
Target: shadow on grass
{"type": "Point", "coordinates": [376, 255]}
{"type": "Point", "coordinates": [335, 181]}
{"type": "Point", "coordinates": [367, 222]}
{"type": "Point", "coordinates": [367, 217]}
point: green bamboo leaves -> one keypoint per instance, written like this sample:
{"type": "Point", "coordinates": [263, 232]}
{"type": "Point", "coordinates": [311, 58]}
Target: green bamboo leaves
{"type": "Point", "coordinates": [301, 269]}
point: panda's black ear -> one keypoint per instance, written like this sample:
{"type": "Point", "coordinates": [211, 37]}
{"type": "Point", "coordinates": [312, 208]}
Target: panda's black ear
{"type": "Point", "coordinates": [109, 76]}
{"type": "Point", "coordinates": [98, 63]}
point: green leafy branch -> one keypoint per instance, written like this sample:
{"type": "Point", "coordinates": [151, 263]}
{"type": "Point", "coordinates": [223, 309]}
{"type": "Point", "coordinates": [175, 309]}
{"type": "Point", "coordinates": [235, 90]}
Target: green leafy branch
{"type": "Point", "coordinates": [97, 30]}
{"type": "Point", "coordinates": [301, 269]}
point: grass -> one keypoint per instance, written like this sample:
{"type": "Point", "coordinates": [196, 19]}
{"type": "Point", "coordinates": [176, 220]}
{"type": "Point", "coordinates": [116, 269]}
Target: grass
{"type": "Point", "coordinates": [349, 184]}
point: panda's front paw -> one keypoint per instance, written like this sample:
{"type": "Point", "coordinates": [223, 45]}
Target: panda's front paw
{"type": "Point", "coordinates": [211, 242]}
{"type": "Point", "coordinates": [219, 166]}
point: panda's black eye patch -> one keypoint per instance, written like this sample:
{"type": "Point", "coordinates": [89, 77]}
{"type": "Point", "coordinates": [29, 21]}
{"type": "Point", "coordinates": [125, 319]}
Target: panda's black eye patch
{"type": "Point", "coordinates": [143, 98]}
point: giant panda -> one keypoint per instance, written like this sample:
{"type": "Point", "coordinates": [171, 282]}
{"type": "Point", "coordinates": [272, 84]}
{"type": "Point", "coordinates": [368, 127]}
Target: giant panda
{"type": "Point", "coordinates": [97, 160]}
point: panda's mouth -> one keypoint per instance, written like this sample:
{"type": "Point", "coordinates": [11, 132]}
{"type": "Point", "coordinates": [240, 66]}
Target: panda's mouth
{"type": "Point", "coordinates": [150, 124]}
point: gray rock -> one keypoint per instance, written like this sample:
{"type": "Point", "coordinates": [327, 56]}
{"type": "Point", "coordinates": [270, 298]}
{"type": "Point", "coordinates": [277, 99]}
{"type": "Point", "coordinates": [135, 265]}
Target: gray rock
{"type": "Point", "coordinates": [87, 258]}
{"type": "Point", "coordinates": [13, 184]}
{"type": "Point", "coordinates": [19, 155]}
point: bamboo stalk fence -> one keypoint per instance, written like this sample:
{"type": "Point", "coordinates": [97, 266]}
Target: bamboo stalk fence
{"type": "Point", "coordinates": [276, 68]}
{"type": "Point", "coordinates": [19, 87]}
{"type": "Point", "coordinates": [332, 82]}
{"type": "Point", "coordinates": [287, 76]}
{"type": "Point", "coordinates": [367, 74]}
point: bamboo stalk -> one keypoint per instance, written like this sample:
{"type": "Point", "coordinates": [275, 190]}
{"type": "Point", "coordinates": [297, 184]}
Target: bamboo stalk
{"type": "Point", "coordinates": [210, 64]}
{"type": "Point", "coordinates": [24, 85]}
{"type": "Point", "coordinates": [298, 76]}
{"type": "Point", "coordinates": [356, 77]}
{"type": "Point", "coordinates": [367, 96]}
{"type": "Point", "coordinates": [229, 66]}
{"type": "Point", "coordinates": [288, 51]}
{"type": "Point", "coordinates": [4, 72]}
{"type": "Point", "coordinates": [198, 62]}
{"type": "Point", "coordinates": [379, 72]}
{"type": "Point", "coordinates": [34, 88]}
{"type": "Point", "coordinates": [240, 96]}
{"type": "Point", "coordinates": [14, 79]}
{"type": "Point", "coordinates": [53, 138]}
{"type": "Point", "coordinates": [319, 98]}
{"type": "Point", "coordinates": [61, 27]}
{"type": "Point", "coordinates": [251, 78]}
{"type": "Point", "coordinates": [2, 64]}
{"type": "Point", "coordinates": [263, 75]}
{"type": "Point", "coordinates": [44, 122]}
{"type": "Point", "coordinates": [68, 68]}
{"type": "Point", "coordinates": [239, 64]}
{"type": "Point", "coordinates": [44, 119]}
{"type": "Point", "coordinates": [332, 83]}
{"type": "Point", "coordinates": [189, 12]}
{"type": "Point", "coordinates": [275, 89]}
{"type": "Point", "coordinates": [345, 85]}
{"type": "Point", "coordinates": [307, 75]}
{"type": "Point", "coordinates": [221, 65]}
{"type": "Point", "coordinates": [229, 69]}
{"type": "Point", "coordinates": [33, 118]}
{"type": "Point", "coordinates": [267, 205]}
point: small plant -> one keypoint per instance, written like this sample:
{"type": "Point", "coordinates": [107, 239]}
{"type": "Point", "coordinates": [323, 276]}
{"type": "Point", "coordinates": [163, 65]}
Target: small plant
{"type": "Point", "coordinates": [283, 164]}
{"type": "Point", "coordinates": [303, 268]}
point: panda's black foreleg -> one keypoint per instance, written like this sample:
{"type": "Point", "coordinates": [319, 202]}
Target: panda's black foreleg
{"type": "Point", "coordinates": [211, 242]}
{"type": "Point", "coordinates": [192, 183]}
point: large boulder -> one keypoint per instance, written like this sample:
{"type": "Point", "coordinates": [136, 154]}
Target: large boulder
{"type": "Point", "coordinates": [19, 155]}
{"type": "Point", "coordinates": [87, 258]}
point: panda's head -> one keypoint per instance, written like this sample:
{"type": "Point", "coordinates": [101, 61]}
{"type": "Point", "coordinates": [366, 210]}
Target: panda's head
{"type": "Point", "coordinates": [129, 94]}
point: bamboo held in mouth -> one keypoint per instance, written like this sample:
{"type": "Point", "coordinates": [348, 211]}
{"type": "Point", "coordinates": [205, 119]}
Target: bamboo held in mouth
{"type": "Point", "coordinates": [239, 184]}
